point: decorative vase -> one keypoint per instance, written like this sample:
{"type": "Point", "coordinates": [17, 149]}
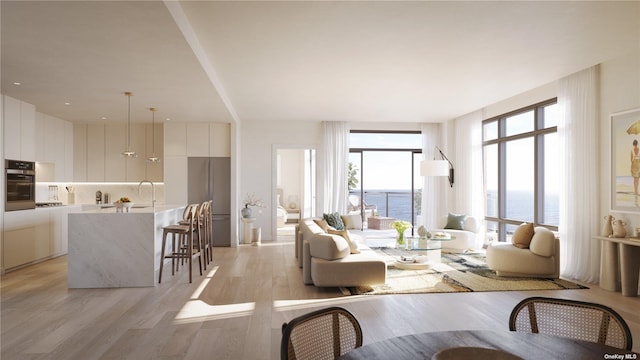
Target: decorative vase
{"type": "Point", "coordinates": [619, 230]}
{"type": "Point", "coordinates": [607, 229]}
{"type": "Point", "coordinates": [400, 243]}
{"type": "Point", "coordinates": [246, 212]}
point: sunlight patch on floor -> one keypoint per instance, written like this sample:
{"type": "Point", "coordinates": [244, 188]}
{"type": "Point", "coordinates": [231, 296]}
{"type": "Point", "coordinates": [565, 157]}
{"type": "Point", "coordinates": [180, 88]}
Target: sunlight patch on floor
{"type": "Point", "coordinates": [198, 311]}
{"type": "Point", "coordinates": [286, 305]}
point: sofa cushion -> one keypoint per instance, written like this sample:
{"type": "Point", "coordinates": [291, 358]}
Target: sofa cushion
{"type": "Point", "coordinates": [455, 221]}
{"type": "Point", "coordinates": [522, 236]}
{"type": "Point", "coordinates": [352, 221]}
{"type": "Point", "coordinates": [543, 242]}
{"type": "Point", "coordinates": [334, 220]}
{"type": "Point", "coordinates": [345, 234]}
{"type": "Point", "coordinates": [328, 246]}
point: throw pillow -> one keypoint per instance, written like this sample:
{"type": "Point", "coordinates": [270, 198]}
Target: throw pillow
{"type": "Point", "coordinates": [522, 236]}
{"type": "Point", "coordinates": [352, 221]}
{"type": "Point", "coordinates": [345, 234]}
{"type": "Point", "coordinates": [334, 220]}
{"type": "Point", "coordinates": [455, 221]}
{"type": "Point", "coordinates": [322, 223]}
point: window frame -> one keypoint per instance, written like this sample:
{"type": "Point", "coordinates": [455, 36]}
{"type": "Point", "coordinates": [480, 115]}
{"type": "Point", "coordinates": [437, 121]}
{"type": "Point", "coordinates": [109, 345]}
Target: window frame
{"type": "Point", "coordinates": [412, 151]}
{"type": "Point", "coordinates": [501, 140]}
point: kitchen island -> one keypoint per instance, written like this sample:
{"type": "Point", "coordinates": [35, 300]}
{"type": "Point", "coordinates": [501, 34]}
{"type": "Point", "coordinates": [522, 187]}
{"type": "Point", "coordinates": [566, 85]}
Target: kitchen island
{"type": "Point", "coordinates": [117, 249]}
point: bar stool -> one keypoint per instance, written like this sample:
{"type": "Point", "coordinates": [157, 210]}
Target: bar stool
{"type": "Point", "coordinates": [200, 227]}
{"type": "Point", "coordinates": [182, 245]}
{"type": "Point", "coordinates": [206, 232]}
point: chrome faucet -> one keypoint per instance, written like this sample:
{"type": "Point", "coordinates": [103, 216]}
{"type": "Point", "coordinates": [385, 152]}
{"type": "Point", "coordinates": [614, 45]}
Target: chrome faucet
{"type": "Point", "coordinates": [153, 191]}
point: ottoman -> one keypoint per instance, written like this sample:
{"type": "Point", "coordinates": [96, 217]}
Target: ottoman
{"type": "Point", "coordinates": [379, 222]}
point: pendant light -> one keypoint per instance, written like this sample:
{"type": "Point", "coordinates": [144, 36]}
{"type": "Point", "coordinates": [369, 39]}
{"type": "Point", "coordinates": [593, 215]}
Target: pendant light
{"type": "Point", "coordinates": [128, 152]}
{"type": "Point", "coordinates": [153, 158]}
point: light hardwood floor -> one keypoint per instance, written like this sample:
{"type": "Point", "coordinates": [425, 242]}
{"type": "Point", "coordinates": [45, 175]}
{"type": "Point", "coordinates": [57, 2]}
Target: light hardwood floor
{"type": "Point", "coordinates": [234, 311]}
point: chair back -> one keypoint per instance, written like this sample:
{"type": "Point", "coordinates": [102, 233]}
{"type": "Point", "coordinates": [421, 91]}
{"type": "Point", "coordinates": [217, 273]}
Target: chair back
{"type": "Point", "coordinates": [322, 334]}
{"type": "Point", "coordinates": [570, 318]}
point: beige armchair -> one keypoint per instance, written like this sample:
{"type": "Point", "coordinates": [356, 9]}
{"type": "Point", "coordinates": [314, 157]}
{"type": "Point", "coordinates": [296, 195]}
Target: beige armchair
{"type": "Point", "coordinates": [541, 259]}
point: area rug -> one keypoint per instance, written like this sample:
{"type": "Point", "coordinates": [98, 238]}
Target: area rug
{"type": "Point", "coordinates": [457, 272]}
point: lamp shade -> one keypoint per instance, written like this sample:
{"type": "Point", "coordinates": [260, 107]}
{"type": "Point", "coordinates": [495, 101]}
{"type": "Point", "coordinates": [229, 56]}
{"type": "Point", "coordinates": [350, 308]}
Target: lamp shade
{"type": "Point", "coordinates": [434, 168]}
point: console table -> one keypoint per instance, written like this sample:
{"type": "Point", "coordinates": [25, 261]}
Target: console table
{"type": "Point", "coordinates": [620, 264]}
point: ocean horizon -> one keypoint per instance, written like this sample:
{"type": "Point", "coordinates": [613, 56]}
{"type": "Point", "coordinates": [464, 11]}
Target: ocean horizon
{"type": "Point", "coordinates": [519, 204]}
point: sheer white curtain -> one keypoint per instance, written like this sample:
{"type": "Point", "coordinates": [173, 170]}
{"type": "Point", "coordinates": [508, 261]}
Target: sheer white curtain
{"type": "Point", "coordinates": [577, 131]}
{"type": "Point", "coordinates": [431, 196]}
{"type": "Point", "coordinates": [469, 178]}
{"type": "Point", "coordinates": [336, 160]}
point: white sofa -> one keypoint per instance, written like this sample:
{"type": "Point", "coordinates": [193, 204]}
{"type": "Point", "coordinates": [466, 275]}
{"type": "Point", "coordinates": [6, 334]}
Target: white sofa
{"type": "Point", "coordinates": [327, 260]}
{"type": "Point", "coordinates": [540, 260]}
{"type": "Point", "coordinates": [469, 238]}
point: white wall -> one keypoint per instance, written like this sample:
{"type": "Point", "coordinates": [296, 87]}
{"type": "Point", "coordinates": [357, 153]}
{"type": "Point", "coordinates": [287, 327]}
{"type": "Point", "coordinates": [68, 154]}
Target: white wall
{"type": "Point", "coordinates": [259, 141]}
{"type": "Point", "coordinates": [619, 91]}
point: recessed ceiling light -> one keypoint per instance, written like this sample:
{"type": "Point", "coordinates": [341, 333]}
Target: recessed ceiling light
{"type": "Point", "coordinates": [67, 103]}
{"type": "Point", "coordinates": [104, 118]}
{"type": "Point", "coordinates": [17, 83]}
{"type": "Point", "coordinates": [168, 119]}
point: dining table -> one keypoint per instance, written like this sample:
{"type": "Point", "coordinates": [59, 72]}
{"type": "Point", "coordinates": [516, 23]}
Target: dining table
{"type": "Point", "coordinates": [487, 344]}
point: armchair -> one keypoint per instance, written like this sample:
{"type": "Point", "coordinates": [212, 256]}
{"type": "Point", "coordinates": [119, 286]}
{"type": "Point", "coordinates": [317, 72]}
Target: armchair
{"type": "Point", "coordinates": [541, 259]}
{"type": "Point", "coordinates": [468, 237]}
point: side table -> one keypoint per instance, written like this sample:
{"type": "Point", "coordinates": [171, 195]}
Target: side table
{"type": "Point", "coordinates": [248, 229]}
{"type": "Point", "coordinates": [293, 215]}
{"type": "Point", "coordinates": [620, 265]}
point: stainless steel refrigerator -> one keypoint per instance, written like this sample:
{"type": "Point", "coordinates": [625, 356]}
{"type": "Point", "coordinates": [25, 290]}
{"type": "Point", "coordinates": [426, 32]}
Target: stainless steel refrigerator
{"type": "Point", "coordinates": [209, 178]}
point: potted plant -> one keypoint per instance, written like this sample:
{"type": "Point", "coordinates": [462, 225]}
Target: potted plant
{"type": "Point", "coordinates": [401, 226]}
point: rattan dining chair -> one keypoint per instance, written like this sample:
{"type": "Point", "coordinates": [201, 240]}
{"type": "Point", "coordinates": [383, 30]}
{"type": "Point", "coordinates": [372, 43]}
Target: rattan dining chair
{"type": "Point", "coordinates": [573, 319]}
{"type": "Point", "coordinates": [322, 334]}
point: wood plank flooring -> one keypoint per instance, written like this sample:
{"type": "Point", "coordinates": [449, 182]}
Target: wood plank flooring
{"type": "Point", "coordinates": [234, 311]}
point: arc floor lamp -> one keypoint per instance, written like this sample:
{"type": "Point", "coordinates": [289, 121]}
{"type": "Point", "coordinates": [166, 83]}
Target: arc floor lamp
{"type": "Point", "coordinates": [434, 167]}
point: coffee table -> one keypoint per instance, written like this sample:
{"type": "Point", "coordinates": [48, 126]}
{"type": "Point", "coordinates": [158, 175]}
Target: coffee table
{"type": "Point", "coordinates": [420, 257]}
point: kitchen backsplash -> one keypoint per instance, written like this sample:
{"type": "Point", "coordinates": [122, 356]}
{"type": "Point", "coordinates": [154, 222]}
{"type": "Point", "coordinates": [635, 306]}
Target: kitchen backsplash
{"type": "Point", "coordinates": [85, 193]}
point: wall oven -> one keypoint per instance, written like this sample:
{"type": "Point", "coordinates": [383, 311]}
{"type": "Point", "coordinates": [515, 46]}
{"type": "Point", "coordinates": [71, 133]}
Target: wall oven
{"type": "Point", "coordinates": [20, 185]}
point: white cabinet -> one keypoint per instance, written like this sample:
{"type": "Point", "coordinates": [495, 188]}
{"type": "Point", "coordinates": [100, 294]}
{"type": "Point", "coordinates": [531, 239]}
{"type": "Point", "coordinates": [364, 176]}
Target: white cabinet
{"type": "Point", "coordinates": [67, 174]}
{"type": "Point", "coordinates": [220, 139]}
{"type": "Point", "coordinates": [32, 235]}
{"type": "Point", "coordinates": [155, 170]}
{"type": "Point", "coordinates": [54, 145]}
{"type": "Point", "coordinates": [95, 152]}
{"type": "Point", "coordinates": [59, 236]}
{"type": "Point", "coordinates": [98, 148]}
{"type": "Point", "coordinates": [12, 129]}
{"type": "Point", "coordinates": [27, 131]}
{"type": "Point", "coordinates": [19, 129]}
{"type": "Point", "coordinates": [135, 168]}
{"type": "Point", "coordinates": [175, 139]}
{"type": "Point", "coordinates": [26, 237]}
{"type": "Point", "coordinates": [197, 139]}
{"type": "Point", "coordinates": [115, 141]}
{"type": "Point", "coordinates": [39, 137]}
{"type": "Point", "coordinates": [80, 141]}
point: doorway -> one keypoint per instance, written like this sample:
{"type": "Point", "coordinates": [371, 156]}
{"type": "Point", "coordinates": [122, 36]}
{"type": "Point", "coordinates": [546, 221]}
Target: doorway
{"type": "Point", "coordinates": [294, 191]}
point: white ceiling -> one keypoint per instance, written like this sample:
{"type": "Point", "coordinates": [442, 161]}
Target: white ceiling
{"type": "Point", "coordinates": [263, 61]}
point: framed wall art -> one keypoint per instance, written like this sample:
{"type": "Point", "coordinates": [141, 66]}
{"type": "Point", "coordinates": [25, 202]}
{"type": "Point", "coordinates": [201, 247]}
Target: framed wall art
{"type": "Point", "coordinates": [625, 161]}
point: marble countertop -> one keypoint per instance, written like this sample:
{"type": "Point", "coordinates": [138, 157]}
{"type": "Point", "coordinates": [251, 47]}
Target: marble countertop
{"type": "Point", "coordinates": [137, 209]}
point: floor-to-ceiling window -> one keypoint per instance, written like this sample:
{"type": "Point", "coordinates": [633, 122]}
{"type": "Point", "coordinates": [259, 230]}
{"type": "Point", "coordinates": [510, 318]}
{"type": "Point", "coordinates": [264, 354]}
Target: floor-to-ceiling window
{"type": "Point", "coordinates": [384, 173]}
{"type": "Point", "coordinates": [521, 169]}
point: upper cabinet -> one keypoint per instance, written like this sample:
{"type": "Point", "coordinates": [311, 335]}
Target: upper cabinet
{"type": "Point", "coordinates": [197, 139]}
{"type": "Point", "coordinates": [98, 149]}
{"type": "Point", "coordinates": [19, 129]}
{"type": "Point", "coordinates": [34, 136]}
